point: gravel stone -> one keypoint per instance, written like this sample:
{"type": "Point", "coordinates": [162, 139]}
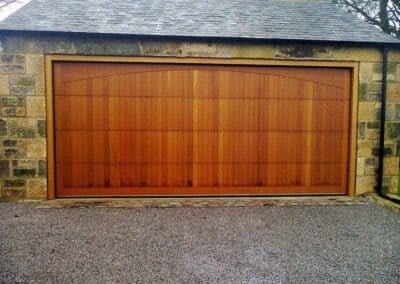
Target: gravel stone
{"type": "Point", "coordinates": [272, 244]}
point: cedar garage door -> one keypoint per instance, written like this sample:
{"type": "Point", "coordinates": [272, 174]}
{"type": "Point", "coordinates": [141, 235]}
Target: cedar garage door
{"type": "Point", "coordinates": [169, 129]}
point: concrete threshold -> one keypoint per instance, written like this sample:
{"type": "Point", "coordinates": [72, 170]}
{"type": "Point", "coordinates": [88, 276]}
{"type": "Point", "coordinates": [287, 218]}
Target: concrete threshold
{"type": "Point", "coordinates": [168, 202]}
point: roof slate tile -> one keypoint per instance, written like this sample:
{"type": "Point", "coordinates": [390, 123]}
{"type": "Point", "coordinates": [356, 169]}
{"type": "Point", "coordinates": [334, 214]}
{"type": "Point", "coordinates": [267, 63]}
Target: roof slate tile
{"type": "Point", "coordinates": [257, 19]}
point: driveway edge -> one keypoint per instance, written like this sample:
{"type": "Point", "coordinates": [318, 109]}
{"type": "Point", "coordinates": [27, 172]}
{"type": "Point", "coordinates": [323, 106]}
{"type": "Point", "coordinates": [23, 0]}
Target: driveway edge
{"type": "Point", "coordinates": [383, 202]}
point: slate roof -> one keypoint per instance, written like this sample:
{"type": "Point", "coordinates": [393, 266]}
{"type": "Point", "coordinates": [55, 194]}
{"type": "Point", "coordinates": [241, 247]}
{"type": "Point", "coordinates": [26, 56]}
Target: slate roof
{"type": "Point", "coordinates": [255, 19]}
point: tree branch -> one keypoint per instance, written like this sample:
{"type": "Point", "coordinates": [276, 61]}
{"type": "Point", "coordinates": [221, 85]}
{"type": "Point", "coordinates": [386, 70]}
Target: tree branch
{"type": "Point", "coordinates": [361, 11]}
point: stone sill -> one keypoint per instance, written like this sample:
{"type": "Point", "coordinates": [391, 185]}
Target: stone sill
{"type": "Point", "coordinates": [199, 202]}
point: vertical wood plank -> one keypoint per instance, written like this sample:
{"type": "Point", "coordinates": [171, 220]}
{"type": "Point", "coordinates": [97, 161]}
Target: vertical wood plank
{"type": "Point", "coordinates": [309, 92]}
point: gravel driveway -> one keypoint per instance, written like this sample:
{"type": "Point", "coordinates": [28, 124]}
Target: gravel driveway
{"type": "Point", "coordinates": [300, 244]}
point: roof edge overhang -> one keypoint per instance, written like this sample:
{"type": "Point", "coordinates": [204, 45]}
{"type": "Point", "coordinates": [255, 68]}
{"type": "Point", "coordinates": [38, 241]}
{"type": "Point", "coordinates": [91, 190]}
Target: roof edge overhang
{"type": "Point", "coordinates": [203, 38]}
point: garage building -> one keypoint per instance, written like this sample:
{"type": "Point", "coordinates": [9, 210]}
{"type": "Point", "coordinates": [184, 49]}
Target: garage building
{"type": "Point", "coordinates": [204, 98]}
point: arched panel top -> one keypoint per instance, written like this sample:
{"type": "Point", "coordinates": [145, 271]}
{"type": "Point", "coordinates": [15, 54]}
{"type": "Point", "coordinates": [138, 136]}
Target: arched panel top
{"type": "Point", "coordinates": [159, 80]}
{"type": "Point", "coordinates": [74, 71]}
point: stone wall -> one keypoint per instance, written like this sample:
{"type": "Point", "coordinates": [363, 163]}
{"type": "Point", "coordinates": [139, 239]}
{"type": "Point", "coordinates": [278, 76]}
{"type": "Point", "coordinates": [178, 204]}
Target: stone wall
{"type": "Point", "coordinates": [369, 125]}
{"type": "Point", "coordinates": [22, 126]}
{"type": "Point", "coordinates": [22, 99]}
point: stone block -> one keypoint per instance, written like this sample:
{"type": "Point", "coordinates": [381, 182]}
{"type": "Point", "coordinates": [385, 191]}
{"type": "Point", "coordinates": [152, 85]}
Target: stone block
{"type": "Point", "coordinates": [391, 166]}
{"type": "Point", "coordinates": [372, 133]}
{"type": "Point", "coordinates": [303, 51]}
{"type": "Point", "coordinates": [13, 193]}
{"type": "Point", "coordinates": [12, 101]}
{"type": "Point", "coordinates": [362, 92]}
{"type": "Point", "coordinates": [397, 111]}
{"type": "Point", "coordinates": [366, 72]}
{"type": "Point", "coordinates": [24, 172]}
{"type": "Point", "coordinates": [22, 91]}
{"type": "Point", "coordinates": [377, 77]}
{"type": "Point", "coordinates": [371, 170]}
{"type": "Point", "coordinates": [13, 111]}
{"type": "Point", "coordinates": [19, 59]}
{"type": "Point", "coordinates": [365, 184]}
{"type": "Point", "coordinates": [393, 87]}
{"type": "Point", "coordinates": [40, 89]}
{"type": "Point", "coordinates": [24, 164]}
{"type": "Point", "coordinates": [22, 132]}
{"type": "Point", "coordinates": [22, 80]}
{"type": "Point", "coordinates": [4, 85]}
{"type": "Point", "coordinates": [391, 184]}
{"type": "Point", "coordinates": [6, 58]}
{"type": "Point", "coordinates": [14, 183]}
{"type": "Point", "coordinates": [36, 107]}
{"type": "Point", "coordinates": [398, 72]}
{"type": "Point", "coordinates": [366, 111]}
{"type": "Point", "coordinates": [377, 68]}
{"type": "Point", "coordinates": [373, 124]}
{"type": "Point", "coordinates": [397, 148]}
{"type": "Point", "coordinates": [184, 49]}
{"type": "Point", "coordinates": [35, 64]}
{"type": "Point", "coordinates": [374, 97]}
{"type": "Point", "coordinates": [36, 148]}
{"type": "Point", "coordinates": [393, 92]}
{"type": "Point", "coordinates": [12, 59]}
{"type": "Point", "coordinates": [371, 161]}
{"type": "Point", "coordinates": [391, 77]}
{"type": "Point", "coordinates": [42, 168]}
{"type": "Point", "coordinates": [4, 168]}
{"type": "Point", "coordinates": [364, 147]}
{"type": "Point", "coordinates": [250, 51]}
{"type": "Point", "coordinates": [392, 130]}
{"type": "Point", "coordinates": [387, 151]}
{"type": "Point", "coordinates": [14, 152]}
{"type": "Point", "coordinates": [22, 122]}
{"type": "Point", "coordinates": [375, 87]}
{"type": "Point", "coordinates": [391, 68]}
{"type": "Point", "coordinates": [37, 189]}
{"type": "Point", "coordinates": [3, 127]}
{"type": "Point", "coordinates": [361, 130]}
{"type": "Point", "coordinates": [12, 68]}
{"type": "Point", "coordinates": [360, 166]}
{"type": "Point", "coordinates": [41, 124]}
{"type": "Point", "coordinates": [391, 112]}
{"type": "Point", "coordinates": [9, 143]}
{"type": "Point", "coordinates": [371, 166]}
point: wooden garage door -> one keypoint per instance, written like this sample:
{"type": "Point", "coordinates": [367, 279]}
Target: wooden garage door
{"type": "Point", "coordinates": [164, 129]}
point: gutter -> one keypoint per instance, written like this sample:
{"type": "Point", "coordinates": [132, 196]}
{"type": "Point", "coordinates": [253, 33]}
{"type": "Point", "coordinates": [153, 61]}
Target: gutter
{"type": "Point", "coordinates": [379, 177]}
{"type": "Point", "coordinates": [201, 38]}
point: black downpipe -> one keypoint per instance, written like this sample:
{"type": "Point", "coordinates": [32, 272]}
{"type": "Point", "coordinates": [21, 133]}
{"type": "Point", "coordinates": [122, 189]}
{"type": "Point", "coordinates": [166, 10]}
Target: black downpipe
{"type": "Point", "coordinates": [379, 186]}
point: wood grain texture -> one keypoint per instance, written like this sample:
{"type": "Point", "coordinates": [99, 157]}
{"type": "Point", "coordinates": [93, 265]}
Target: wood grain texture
{"type": "Point", "coordinates": [170, 129]}
{"type": "Point", "coordinates": [51, 175]}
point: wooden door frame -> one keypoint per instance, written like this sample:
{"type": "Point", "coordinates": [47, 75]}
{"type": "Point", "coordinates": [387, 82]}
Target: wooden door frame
{"type": "Point", "coordinates": [49, 59]}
